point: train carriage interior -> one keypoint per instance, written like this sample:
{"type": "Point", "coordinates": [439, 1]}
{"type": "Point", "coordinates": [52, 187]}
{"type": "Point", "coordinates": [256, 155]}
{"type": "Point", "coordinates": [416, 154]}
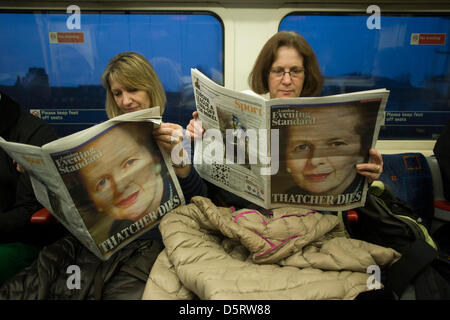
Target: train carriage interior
{"type": "Point", "coordinates": [54, 54]}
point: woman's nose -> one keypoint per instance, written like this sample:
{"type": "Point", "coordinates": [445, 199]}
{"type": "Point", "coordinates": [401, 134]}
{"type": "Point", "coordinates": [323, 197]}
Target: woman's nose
{"type": "Point", "coordinates": [317, 157]}
{"type": "Point", "coordinates": [286, 79]}
{"type": "Point", "coordinates": [127, 98]}
{"type": "Point", "coordinates": [317, 161]}
{"type": "Point", "coordinates": [120, 182]}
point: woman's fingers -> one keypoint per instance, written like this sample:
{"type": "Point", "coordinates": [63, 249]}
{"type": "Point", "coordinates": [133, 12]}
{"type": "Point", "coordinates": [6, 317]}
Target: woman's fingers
{"type": "Point", "coordinates": [373, 169]}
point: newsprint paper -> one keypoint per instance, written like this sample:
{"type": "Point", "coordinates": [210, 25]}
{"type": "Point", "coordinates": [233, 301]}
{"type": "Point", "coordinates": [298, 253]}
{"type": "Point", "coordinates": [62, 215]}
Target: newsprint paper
{"type": "Point", "coordinates": [107, 184]}
{"type": "Point", "coordinates": [287, 152]}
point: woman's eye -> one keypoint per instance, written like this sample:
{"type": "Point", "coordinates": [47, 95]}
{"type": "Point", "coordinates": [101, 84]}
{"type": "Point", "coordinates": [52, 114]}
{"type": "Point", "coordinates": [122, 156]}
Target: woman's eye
{"type": "Point", "coordinates": [302, 147]}
{"type": "Point", "coordinates": [117, 93]}
{"type": "Point", "coordinates": [130, 162]}
{"type": "Point", "coordinates": [101, 184]}
{"type": "Point", "coordinates": [338, 143]}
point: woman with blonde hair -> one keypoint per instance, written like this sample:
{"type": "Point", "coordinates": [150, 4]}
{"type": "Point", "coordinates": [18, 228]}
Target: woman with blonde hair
{"type": "Point", "coordinates": [132, 84]}
{"type": "Point", "coordinates": [132, 71]}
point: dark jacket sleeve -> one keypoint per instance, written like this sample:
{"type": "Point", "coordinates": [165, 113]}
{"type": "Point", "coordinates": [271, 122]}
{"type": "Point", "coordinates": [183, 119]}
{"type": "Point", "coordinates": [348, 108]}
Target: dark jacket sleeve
{"type": "Point", "coordinates": [122, 277]}
{"type": "Point", "coordinates": [193, 185]}
{"type": "Point", "coordinates": [15, 223]}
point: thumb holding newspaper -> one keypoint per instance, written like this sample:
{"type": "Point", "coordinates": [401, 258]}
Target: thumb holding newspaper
{"type": "Point", "coordinates": [194, 129]}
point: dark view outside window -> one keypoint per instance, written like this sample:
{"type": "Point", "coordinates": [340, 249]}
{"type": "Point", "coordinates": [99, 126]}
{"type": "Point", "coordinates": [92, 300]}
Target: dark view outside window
{"type": "Point", "coordinates": [54, 71]}
{"type": "Point", "coordinates": [409, 55]}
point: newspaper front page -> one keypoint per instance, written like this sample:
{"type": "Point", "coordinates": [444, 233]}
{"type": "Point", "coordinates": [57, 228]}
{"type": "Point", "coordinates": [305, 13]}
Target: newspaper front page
{"type": "Point", "coordinates": [107, 184]}
{"type": "Point", "coordinates": [305, 150]}
{"type": "Point", "coordinates": [323, 139]}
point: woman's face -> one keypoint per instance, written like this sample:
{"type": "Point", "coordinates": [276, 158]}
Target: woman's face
{"type": "Point", "coordinates": [123, 182]}
{"type": "Point", "coordinates": [322, 158]}
{"type": "Point", "coordinates": [129, 99]}
{"type": "Point", "coordinates": [286, 85]}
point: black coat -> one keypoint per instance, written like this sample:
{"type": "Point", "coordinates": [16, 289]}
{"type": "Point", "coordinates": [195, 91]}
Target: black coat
{"type": "Point", "coordinates": [17, 199]}
{"type": "Point", "coordinates": [123, 276]}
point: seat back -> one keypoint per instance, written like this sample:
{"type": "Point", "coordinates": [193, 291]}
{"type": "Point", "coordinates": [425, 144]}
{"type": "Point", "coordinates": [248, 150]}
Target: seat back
{"type": "Point", "coordinates": [411, 180]}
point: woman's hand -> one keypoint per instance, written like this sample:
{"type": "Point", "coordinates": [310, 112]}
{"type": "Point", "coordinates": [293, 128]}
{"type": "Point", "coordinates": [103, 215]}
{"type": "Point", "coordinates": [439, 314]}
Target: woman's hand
{"type": "Point", "coordinates": [374, 168]}
{"type": "Point", "coordinates": [170, 136]}
{"type": "Point", "coordinates": [19, 168]}
{"type": "Point", "coordinates": [194, 128]}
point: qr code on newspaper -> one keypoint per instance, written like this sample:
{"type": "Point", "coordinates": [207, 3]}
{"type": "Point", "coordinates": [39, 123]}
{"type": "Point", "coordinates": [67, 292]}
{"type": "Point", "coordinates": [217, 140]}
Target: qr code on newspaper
{"type": "Point", "coordinates": [221, 173]}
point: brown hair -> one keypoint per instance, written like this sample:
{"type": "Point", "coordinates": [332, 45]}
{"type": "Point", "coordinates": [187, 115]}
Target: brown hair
{"type": "Point", "coordinates": [258, 78]}
{"type": "Point", "coordinates": [132, 70]}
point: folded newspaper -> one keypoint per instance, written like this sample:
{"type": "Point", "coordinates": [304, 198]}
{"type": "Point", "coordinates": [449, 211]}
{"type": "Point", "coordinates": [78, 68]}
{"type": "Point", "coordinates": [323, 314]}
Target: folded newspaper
{"type": "Point", "coordinates": [107, 184]}
{"type": "Point", "coordinates": [287, 152]}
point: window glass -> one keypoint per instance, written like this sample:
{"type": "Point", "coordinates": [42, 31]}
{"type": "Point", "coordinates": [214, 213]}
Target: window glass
{"type": "Point", "coordinates": [409, 55]}
{"type": "Point", "coordinates": [55, 71]}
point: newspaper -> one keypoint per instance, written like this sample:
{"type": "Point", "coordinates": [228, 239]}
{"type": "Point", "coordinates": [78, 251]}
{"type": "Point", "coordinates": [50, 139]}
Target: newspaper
{"type": "Point", "coordinates": [287, 152]}
{"type": "Point", "coordinates": [107, 184]}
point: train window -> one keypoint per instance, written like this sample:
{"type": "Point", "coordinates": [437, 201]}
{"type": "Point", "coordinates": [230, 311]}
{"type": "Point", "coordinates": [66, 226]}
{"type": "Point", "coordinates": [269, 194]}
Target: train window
{"type": "Point", "coordinates": [407, 54]}
{"type": "Point", "coordinates": [53, 62]}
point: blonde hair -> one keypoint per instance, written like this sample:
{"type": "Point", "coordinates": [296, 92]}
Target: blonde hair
{"type": "Point", "coordinates": [132, 70]}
